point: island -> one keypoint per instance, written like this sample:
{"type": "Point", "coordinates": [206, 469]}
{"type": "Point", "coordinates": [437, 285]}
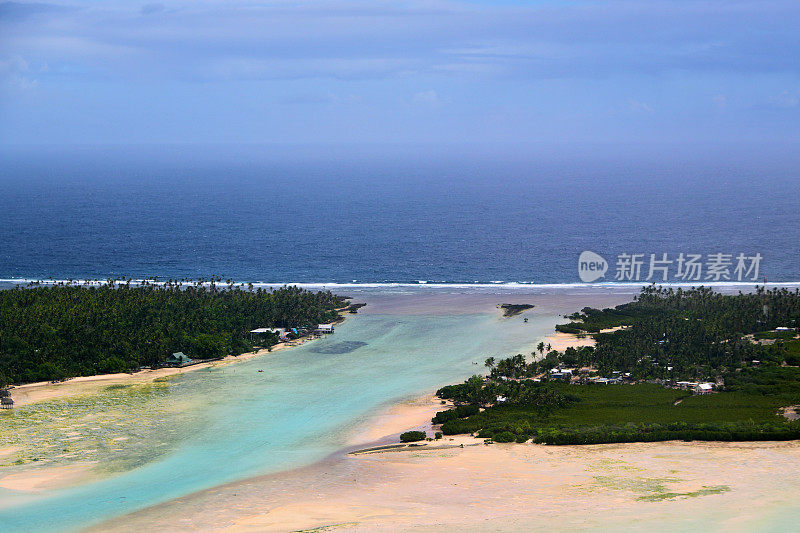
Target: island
{"type": "Point", "coordinates": [673, 364]}
{"type": "Point", "coordinates": [514, 309]}
{"type": "Point", "coordinates": [52, 332]}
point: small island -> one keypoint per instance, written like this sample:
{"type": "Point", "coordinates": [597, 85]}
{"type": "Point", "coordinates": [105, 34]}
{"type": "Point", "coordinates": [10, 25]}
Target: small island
{"type": "Point", "coordinates": [514, 309]}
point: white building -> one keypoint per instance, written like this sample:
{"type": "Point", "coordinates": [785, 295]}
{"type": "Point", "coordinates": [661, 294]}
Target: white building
{"type": "Point", "coordinates": [704, 388]}
{"type": "Point", "coordinates": [324, 328]}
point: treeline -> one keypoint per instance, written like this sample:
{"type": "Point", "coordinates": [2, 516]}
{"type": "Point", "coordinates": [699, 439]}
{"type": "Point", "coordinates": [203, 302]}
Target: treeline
{"type": "Point", "coordinates": [686, 333]}
{"type": "Point", "coordinates": [61, 331]}
{"type": "Point", "coordinates": [726, 432]}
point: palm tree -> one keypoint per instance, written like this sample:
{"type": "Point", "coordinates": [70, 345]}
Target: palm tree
{"type": "Point", "coordinates": [489, 362]}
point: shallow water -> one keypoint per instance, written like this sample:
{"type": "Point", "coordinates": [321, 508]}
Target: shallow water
{"type": "Point", "coordinates": [212, 426]}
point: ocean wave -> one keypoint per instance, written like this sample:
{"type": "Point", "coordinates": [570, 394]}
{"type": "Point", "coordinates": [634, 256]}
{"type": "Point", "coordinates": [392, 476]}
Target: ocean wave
{"type": "Point", "coordinates": [421, 284]}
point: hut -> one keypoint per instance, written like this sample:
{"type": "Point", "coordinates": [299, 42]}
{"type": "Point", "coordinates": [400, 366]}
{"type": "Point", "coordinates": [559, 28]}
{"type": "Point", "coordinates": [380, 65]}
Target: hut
{"type": "Point", "coordinates": [178, 359]}
{"type": "Point", "coordinates": [6, 403]}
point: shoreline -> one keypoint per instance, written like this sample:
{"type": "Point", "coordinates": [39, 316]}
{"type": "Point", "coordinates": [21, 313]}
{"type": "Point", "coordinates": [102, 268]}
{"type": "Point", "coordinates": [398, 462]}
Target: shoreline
{"type": "Point", "coordinates": [40, 391]}
{"type": "Point", "coordinates": [444, 485]}
{"type": "Point", "coordinates": [508, 487]}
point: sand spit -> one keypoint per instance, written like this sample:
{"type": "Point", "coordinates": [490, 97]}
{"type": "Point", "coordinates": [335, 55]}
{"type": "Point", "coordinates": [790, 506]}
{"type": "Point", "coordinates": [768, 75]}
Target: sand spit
{"type": "Point", "coordinates": [46, 478]}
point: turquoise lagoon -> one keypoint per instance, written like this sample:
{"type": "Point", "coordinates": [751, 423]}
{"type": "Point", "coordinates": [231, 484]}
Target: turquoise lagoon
{"type": "Point", "coordinates": [268, 414]}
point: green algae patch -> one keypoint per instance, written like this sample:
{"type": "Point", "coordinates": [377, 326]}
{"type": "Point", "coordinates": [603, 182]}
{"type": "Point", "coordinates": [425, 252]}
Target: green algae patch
{"type": "Point", "coordinates": [705, 491]}
{"type": "Point", "coordinates": [614, 464]}
{"type": "Point", "coordinates": [330, 527]}
{"type": "Point", "coordinates": [653, 489]}
{"type": "Point", "coordinates": [119, 427]}
{"type": "Point", "coordinates": [653, 485]}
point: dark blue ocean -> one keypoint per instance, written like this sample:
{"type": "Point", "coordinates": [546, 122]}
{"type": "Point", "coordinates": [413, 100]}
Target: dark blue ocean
{"type": "Point", "coordinates": [389, 214]}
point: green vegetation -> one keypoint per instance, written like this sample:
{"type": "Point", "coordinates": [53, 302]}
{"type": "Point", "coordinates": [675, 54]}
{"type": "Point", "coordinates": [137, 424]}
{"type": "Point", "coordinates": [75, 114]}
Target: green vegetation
{"type": "Point", "coordinates": [412, 436]}
{"type": "Point", "coordinates": [591, 414]}
{"type": "Point", "coordinates": [461, 411]}
{"type": "Point", "coordinates": [686, 334]}
{"type": "Point", "coordinates": [668, 335]}
{"type": "Point", "coordinates": [778, 335]}
{"type": "Point", "coordinates": [62, 331]}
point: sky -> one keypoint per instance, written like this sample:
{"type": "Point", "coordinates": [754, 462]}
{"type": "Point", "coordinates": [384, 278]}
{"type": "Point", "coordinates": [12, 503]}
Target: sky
{"type": "Point", "coordinates": [329, 71]}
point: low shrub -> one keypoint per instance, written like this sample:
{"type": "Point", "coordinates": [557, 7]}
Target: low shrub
{"type": "Point", "coordinates": [412, 436]}
{"type": "Point", "coordinates": [505, 436]}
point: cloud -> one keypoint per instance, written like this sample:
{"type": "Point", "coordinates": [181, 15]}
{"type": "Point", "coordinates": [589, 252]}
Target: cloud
{"type": "Point", "coordinates": [266, 69]}
{"type": "Point", "coordinates": [639, 107]}
{"type": "Point", "coordinates": [428, 98]}
{"type": "Point", "coordinates": [149, 9]}
{"type": "Point", "coordinates": [787, 99]}
{"type": "Point", "coordinates": [15, 74]}
{"type": "Point", "coordinates": [381, 39]}
{"type": "Point", "coordinates": [329, 98]}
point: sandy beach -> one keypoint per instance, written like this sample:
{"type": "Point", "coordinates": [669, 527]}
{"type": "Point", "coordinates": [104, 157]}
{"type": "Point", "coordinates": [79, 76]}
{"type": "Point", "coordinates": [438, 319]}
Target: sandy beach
{"type": "Point", "coordinates": [498, 487]}
{"type": "Point", "coordinates": [46, 390]}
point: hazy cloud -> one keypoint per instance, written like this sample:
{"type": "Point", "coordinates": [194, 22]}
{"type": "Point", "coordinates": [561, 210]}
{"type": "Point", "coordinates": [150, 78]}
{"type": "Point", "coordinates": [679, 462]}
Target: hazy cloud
{"type": "Point", "coordinates": [787, 99]}
{"type": "Point", "coordinates": [176, 69]}
{"type": "Point", "coordinates": [639, 107]}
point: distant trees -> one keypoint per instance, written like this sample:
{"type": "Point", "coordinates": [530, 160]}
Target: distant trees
{"type": "Point", "coordinates": [693, 332]}
{"type": "Point", "coordinates": [62, 331]}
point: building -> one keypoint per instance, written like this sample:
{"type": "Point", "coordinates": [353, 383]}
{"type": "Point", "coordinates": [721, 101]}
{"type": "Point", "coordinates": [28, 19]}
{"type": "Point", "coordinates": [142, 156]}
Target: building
{"type": "Point", "coordinates": [178, 359]}
{"type": "Point", "coordinates": [704, 388]}
{"type": "Point", "coordinates": [6, 403]}
{"type": "Point", "coordinates": [324, 329]}
{"type": "Point", "coordinates": [561, 373]}
{"type": "Point", "coordinates": [280, 332]}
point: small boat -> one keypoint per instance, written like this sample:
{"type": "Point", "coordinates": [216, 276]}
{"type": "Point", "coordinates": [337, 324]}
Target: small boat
{"type": "Point", "coordinates": [260, 370]}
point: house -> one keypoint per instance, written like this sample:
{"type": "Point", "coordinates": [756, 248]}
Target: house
{"type": "Point", "coordinates": [704, 388]}
{"type": "Point", "coordinates": [280, 332]}
{"type": "Point", "coordinates": [687, 384]}
{"type": "Point", "coordinates": [501, 399]}
{"type": "Point", "coordinates": [6, 403]}
{"type": "Point", "coordinates": [324, 328]}
{"type": "Point", "coordinates": [178, 359]}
